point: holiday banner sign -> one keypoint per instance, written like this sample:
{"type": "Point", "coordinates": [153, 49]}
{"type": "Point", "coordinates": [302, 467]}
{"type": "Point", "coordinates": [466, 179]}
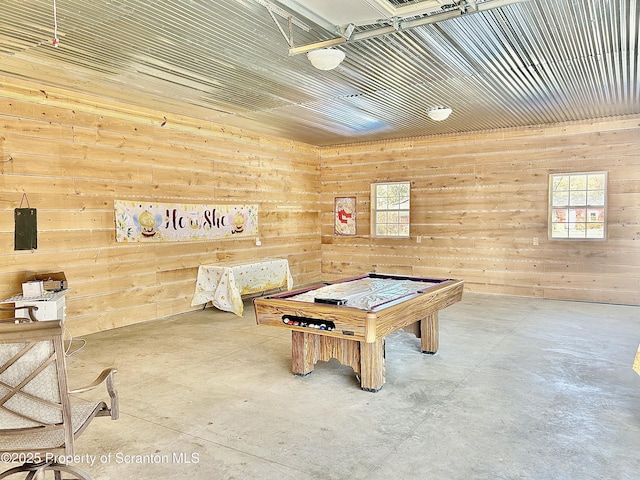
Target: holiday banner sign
{"type": "Point", "coordinates": [160, 222]}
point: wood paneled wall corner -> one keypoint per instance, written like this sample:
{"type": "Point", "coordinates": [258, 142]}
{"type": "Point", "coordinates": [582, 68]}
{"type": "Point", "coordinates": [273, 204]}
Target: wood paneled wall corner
{"type": "Point", "coordinates": [478, 201]}
{"type": "Point", "coordinates": [74, 155]}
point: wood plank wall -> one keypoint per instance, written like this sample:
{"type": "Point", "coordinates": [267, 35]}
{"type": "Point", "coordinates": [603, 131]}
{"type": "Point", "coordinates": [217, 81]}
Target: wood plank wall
{"type": "Point", "coordinates": [74, 155]}
{"type": "Point", "coordinates": [479, 200]}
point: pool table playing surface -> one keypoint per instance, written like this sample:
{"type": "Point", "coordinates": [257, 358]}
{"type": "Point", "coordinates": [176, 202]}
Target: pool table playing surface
{"type": "Point", "coordinates": [348, 319]}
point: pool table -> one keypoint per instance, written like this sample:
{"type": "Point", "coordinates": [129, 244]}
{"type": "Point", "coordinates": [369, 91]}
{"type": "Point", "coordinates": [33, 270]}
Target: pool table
{"type": "Point", "coordinates": [349, 319]}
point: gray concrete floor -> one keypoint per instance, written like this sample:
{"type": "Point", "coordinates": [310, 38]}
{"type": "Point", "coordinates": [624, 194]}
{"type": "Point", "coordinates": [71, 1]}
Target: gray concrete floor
{"type": "Point", "coordinates": [521, 388]}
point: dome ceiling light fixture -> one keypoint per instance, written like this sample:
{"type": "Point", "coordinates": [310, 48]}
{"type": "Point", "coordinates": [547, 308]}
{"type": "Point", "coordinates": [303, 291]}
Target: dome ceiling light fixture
{"type": "Point", "coordinates": [439, 114]}
{"type": "Point", "coordinates": [325, 58]}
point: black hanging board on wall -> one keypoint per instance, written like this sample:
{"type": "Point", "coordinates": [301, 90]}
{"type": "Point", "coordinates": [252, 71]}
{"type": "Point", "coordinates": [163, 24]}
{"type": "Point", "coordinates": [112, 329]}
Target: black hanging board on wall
{"type": "Point", "coordinates": [26, 234]}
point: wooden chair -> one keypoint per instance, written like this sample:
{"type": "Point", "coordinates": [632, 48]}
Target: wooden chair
{"type": "Point", "coordinates": [38, 421]}
{"type": "Point", "coordinates": [31, 311]}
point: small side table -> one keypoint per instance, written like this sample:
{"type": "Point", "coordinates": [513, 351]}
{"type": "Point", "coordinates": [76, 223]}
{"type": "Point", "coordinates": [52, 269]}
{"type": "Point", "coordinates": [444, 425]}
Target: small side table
{"type": "Point", "coordinates": [51, 306]}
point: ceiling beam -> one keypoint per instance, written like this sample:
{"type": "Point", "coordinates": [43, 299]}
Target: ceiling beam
{"type": "Point", "coordinates": [399, 26]}
{"type": "Point", "coordinates": [314, 46]}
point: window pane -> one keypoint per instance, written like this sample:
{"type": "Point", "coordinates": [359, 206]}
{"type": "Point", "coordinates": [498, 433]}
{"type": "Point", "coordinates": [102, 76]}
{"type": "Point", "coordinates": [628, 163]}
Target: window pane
{"type": "Point", "coordinates": [595, 215]}
{"type": "Point", "coordinates": [560, 182]}
{"type": "Point", "coordinates": [596, 181]}
{"type": "Point", "coordinates": [578, 197]}
{"type": "Point", "coordinates": [578, 182]}
{"type": "Point", "coordinates": [595, 197]}
{"type": "Point", "coordinates": [595, 230]}
{"type": "Point", "coordinates": [560, 199]}
{"type": "Point", "coordinates": [577, 215]}
{"type": "Point", "coordinates": [560, 215]}
{"type": "Point", "coordinates": [559, 230]}
{"type": "Point", "coordinates": [576, 230]}
{"type": "Point", "coordinates": [404, 230]}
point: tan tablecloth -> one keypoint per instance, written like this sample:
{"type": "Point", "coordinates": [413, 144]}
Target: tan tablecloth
{"type": "Point", "coordinates": [224, 284]}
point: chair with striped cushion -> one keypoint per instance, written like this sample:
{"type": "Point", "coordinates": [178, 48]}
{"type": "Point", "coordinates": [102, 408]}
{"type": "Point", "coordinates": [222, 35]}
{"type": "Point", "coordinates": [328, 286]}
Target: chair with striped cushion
{"type": "Point", "coordinates": [38, 419]}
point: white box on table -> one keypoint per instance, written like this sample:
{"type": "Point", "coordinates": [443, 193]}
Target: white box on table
{"type": "Point", "coordinates": [34, 288]}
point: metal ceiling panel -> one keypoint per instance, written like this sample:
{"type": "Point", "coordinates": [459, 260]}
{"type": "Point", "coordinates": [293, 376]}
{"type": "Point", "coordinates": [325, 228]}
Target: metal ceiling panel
{"type": "Point", "coordinates": [536, 62]}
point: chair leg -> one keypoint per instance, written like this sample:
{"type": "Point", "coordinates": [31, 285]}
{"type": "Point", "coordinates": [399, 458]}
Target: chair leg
{"type": "Point", "coordinates": [13, 470]}
{"type": "Point", "coordinates": [38, 471]}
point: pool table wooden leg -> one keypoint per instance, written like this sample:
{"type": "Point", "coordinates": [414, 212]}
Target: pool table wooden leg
{"type": "Point", "coordinates": [304, 352]}
{"type": "Point", "coordinates": [366, 359]}
{"type": "Point", "coordinates": [430, 334]}
{"type": "Point", "coordinates": [372, 367]}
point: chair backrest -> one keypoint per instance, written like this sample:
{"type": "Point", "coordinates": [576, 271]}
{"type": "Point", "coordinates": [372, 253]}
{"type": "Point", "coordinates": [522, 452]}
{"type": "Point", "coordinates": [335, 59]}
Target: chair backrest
{"type": "Point", "coordinates": [33, 383]}
{"type": "Point", "coordinates": [31, 312]}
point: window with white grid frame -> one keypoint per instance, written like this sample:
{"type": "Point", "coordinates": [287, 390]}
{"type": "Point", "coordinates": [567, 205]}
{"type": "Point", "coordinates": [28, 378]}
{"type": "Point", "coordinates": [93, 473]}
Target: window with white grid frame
{"type": "Point", "coordinates": [577, 205]}
{"type": "Point", "coordinates": [390, 202]}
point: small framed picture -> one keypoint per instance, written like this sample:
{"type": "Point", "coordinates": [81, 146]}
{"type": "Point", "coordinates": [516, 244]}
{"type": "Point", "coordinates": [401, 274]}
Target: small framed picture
{"type": "Point", "coordinates": [344, 216]}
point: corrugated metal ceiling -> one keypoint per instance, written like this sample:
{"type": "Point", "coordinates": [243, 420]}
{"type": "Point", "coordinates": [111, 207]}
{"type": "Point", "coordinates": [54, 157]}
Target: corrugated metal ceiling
{"type": "Point", "coordinates": [529, 63]}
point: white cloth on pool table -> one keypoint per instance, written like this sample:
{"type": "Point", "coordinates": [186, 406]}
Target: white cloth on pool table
{"type": "Point", "coordinates": [365, 293]}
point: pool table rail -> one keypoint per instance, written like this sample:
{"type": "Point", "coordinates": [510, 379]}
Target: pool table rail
{"type": "Point", "coordinates": [353, 323]}
{"type": "Point", "coordinates": [348, 322]}
{"type": "Point", "coordinates": [404, 314]}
